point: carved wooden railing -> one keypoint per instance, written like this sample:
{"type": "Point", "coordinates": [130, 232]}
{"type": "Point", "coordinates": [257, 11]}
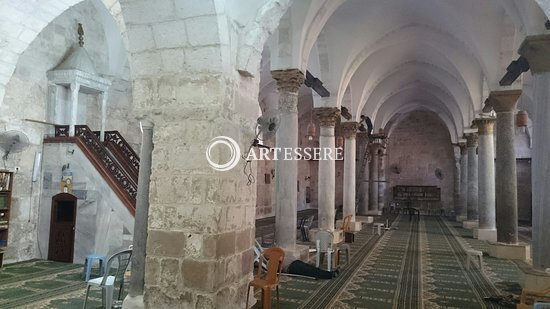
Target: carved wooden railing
{"type": "Point", "coordinates": [120, 181]}
{"type": "Point", "coordinates": [123, 152]}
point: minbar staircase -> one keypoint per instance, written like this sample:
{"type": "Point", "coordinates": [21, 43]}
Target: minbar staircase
{"type": "Point", "coordinates": [114, 159]}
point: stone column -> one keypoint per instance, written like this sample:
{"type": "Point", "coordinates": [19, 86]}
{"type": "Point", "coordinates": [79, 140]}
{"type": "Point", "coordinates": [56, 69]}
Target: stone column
{"type": "Point", "coordinates": [135, 293]}
{"type": "Point", "coordinates": [350, 130]}
{"type": "Point", "coordinates": [462, 213]}
{"type": "Point", "coordinates": [286, 171]}
{"type": "Point", "coordinates": [504, 103]}
{"type": "Point", "coordinates": [456, 184]}
{"type": "Point", "coordinates": [363, 176]}
{"type": "Point", "coordinates": [472, 215]}
{"type": "Point", "coordinates": [382, 179]}
{"type": "Point", "coordinates": [75, 88]}
{"type": "Point", "coordinates": [486, 180]}
{"type": "Point", "coordinates": [536, 49]}
{"type": "Point", "coordinates": [104, 96]}
{"type": "Point", "coordinates": [373, 178]}
{"type": "Point", "coordinates": [327, 175]}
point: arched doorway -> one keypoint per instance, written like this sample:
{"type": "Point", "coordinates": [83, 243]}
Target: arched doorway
{"type": "Point", "coordinates": [62, 228]}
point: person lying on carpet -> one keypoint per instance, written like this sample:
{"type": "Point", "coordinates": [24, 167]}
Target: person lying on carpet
{"type": "Point", "coordinates": [297, 267]}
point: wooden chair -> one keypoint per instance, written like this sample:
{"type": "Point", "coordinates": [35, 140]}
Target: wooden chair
{"type": "Point", "coordinates": [529, 297]}
{"type": "Point", "coordinates": [345, 224]}
{"type": "Point", "coordinates": [269, 279]}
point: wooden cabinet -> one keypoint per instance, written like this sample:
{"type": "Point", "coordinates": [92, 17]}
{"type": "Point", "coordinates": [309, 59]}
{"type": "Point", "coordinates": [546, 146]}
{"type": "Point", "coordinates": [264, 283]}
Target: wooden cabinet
{"type": "Point", "coordinates": [6, 181]}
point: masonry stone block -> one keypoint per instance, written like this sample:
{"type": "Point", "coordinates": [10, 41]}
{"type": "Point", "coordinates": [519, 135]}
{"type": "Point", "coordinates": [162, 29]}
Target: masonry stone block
{"type": "Point", "coordinates": [205, 59]}
{"type": "Point", "coordinates": [140, 38]}
{"type": "Point", "coordinates": [166, 243]}
{"type": "Point", "coordinates": [170, 34]}
{"type": "Point", "coordinates": [172, 60]}
{"type": "Point", "coordinates": [147, 12]}
{"type": "Point", "coordinates": [152, 269]}
{"type": "Point", "coordinates": [146, 63]}
{"type": "Point", "coordinates": [205, 302]}
{"type": "Point", "coordinates": [244, 240]}
{"type": "Point", "coordinates": [192, 8]}
{"type": "Point", "coordinates": [203, 30]}
{"type": "Point", "coordinates": [198, 274]}
{"type": "Point", "coordinates": [209, 246]}
{"type": "Point", "coordinates": [170, 278]}
{"type": "Point", "coordinates": [155, 297]}
{"type": "Point", "coordinates": [225, 244]}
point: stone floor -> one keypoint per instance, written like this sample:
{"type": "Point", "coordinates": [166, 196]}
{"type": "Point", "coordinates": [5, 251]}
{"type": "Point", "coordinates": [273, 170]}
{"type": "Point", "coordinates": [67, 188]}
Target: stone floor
{"type": "Point", "coordinates": [417, 263]}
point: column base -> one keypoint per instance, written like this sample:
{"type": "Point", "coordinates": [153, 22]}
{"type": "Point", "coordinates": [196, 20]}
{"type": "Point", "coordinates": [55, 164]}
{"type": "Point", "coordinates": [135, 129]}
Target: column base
{"type": "Point", "coordinates": [531, 278]}
{"type": "Point", "coordinates": [355, 226]}
{"type": "Point", "coordinates": [365, 219]}
{"type": "Point", "coordinates": [338, 236]}
{"type": "Point", "coordinates": [485, 234]}
{"type": "Point", "coordinates": [470, 224]}
{"type": "Point", "coordinates": [133, 302]}
{"type": "Point", "coordinates": [300, 252]}
{"type": "Point", "coordinates": [460, 218]}
{"type": "Point", "coordinates": [374, 213]}
{"type": "Point", "coordinates": [520, 251]}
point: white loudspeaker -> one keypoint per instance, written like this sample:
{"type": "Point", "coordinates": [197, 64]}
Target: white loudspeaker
{"type": "Point", "coordinates": [36, 166]}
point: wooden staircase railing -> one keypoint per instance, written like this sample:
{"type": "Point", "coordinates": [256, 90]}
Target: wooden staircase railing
{"type": "Point", "coordinates": [124, 185]}
{"type": "Point", "coordinates": [122, 151]}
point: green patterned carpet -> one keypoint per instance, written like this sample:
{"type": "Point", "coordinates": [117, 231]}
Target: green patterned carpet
{"type": "Point", "coordinates": [44, 284]}
{"type": "Point", "coordinates": [415, 264]}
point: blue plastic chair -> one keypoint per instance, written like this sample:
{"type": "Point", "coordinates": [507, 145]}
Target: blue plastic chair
{"type": "Point", "coordinates": [88, 263]}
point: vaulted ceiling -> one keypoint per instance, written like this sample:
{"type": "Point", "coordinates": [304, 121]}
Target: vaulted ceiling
{"type": "Point", "coordinates": [384, 58]}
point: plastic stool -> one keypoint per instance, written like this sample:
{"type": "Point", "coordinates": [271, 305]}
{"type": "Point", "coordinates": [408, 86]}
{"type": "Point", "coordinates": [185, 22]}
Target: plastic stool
{"type": "Point", "coordinates": [346, 248]}
{"type": "Point", "coordinates": [474, 253]}
{"type": "Point", "coordinates": [88, 265]}
{"type": "Point", "coordinates": [378, 227]}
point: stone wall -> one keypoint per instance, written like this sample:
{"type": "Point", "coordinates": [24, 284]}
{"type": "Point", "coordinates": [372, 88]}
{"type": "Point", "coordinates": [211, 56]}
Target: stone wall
{"type": "Point", "coordinates": [418, 146]}
{"type": "Point", "coordinates": [26, 97]}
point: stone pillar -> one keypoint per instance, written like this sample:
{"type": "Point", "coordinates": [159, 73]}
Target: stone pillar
{"type": "Point", "coordinates": [286, 171]}
{"type": "Point", "coordinates": [382, 179]}
{"type": "Point", "coordinates": [536, 49]}
{"type": "Point", "coordinates": [75, 88]}
{"type": "Point", "coordinates": [373, 178]}
{"type": "Point", "coordinates": [462, 213]}
{"type": "Point", "coordinates": [456, 183]}
{"type": "Point", "coordinates": [363, 173]}
{"type": "Point", "coordinates": [472, 215]}
{"type": "Point", "coordinates": [504, 103]}
{"type": "Point", "coordinates": [104, 96]}
{"type": "Point", "coordinates": [327, 175]}
{"type": "Point", "coordinates": [135, 293]}
{"type": "Point", "coordinates": [486, 180]}
{"type": "Point", "coordinates": [350, 131]}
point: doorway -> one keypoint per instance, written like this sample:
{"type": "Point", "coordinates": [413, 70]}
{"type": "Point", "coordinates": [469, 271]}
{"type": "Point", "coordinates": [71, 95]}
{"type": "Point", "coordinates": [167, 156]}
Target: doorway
{"type": "Point", "coordinates": [62, 228]}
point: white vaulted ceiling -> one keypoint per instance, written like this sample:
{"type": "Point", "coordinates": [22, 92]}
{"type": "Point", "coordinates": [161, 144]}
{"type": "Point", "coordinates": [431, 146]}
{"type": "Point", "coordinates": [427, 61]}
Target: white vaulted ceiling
{"type": "Point", "coordinates": [393, 56]}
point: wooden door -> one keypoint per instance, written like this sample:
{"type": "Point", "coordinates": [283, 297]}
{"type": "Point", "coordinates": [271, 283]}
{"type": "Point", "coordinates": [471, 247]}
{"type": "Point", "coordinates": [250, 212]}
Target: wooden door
{"type": "Point", "coordinates": [62, 228]}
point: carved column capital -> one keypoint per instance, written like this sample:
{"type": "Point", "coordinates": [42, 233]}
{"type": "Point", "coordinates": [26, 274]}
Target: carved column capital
{"type": "Point", "coordinates": [463, 148]}
{"type": "Point", "coordinates": [536, 49]}
{"type": "Point", "coordinates": [504, 100]}
{"type": "Point", "coordinates": [471, 140]}
{"type": "Point", "coordinates": [288, 80]}
{"type": "Point", "coordinates": [485, 126]}
{"type": "Point", "coordinates": [327, 116]}
{"type": "Point", "coordinates": [362, 138]}
{"type": "Point", "coordinates": [350, 129]}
